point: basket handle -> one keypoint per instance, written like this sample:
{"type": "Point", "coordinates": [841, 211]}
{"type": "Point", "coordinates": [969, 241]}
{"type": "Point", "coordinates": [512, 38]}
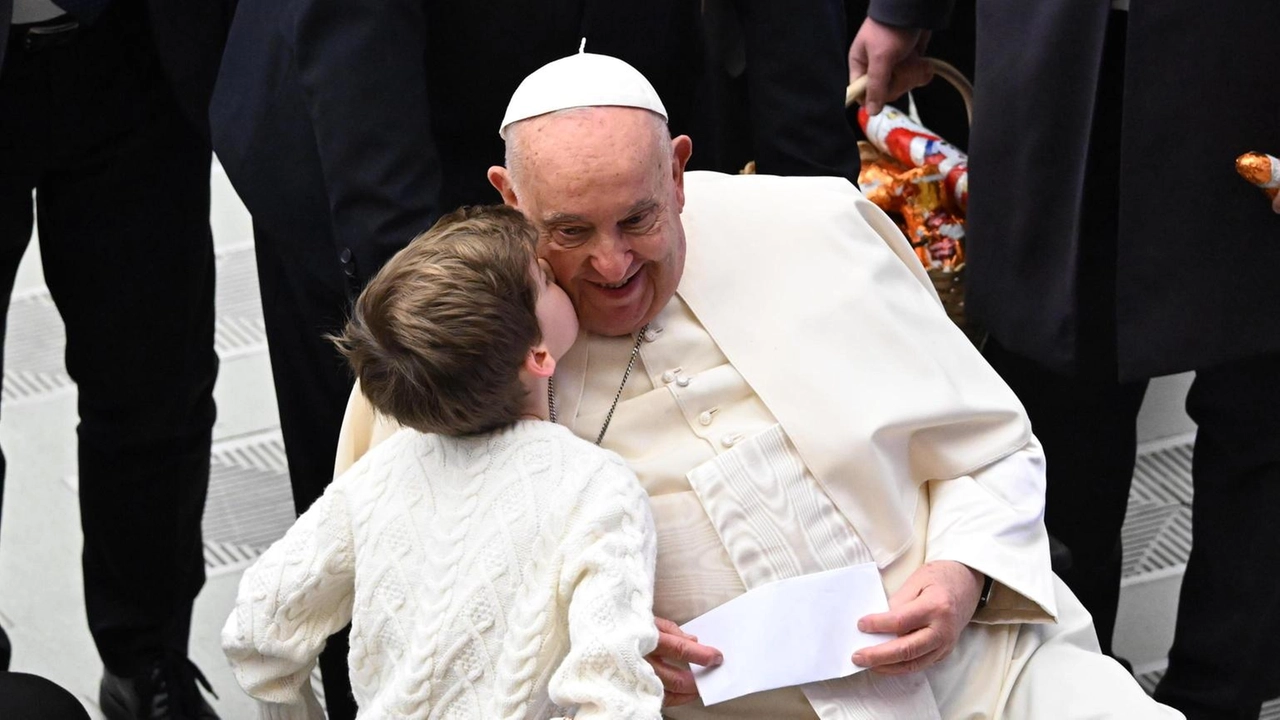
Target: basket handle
{"type": "Point", "coordinates": [858, 88]}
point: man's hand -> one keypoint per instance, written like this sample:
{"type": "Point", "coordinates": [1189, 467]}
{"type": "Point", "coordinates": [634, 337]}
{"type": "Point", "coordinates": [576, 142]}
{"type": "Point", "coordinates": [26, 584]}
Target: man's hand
{"type": "Point", "coordinates": [676, 644]}
{"type": "Point", "coordinates": [927, 613]}
{"type": "Point", "coordinates": [892, 58]}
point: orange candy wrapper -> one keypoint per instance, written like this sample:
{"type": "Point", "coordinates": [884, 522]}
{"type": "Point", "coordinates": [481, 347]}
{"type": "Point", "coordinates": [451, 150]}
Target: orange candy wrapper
{"type": "Point", "coordinates": [1262, 170]}
{"type": "Point", "coordinates": [920, 200]}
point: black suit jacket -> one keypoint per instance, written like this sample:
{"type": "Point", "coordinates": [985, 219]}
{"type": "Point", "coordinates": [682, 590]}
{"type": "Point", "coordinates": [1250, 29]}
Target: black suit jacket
{"type": "Point", "coordinates": [1197, 246]}
{"type": "Point", "coordinates": [383, 115]}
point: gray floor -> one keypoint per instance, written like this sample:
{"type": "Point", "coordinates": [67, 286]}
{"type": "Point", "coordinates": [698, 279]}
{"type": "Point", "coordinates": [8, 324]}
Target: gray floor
{"type": "Point", "coordinates": [249, 506]}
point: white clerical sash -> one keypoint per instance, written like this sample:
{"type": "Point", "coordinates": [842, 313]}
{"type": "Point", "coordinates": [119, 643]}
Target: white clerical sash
{"type": "Point", "coordinates": [776, 523]}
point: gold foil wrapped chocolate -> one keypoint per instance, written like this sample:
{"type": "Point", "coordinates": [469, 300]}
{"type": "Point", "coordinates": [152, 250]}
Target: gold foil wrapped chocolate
{"type": "Point", "coordinates": [1262, 170]}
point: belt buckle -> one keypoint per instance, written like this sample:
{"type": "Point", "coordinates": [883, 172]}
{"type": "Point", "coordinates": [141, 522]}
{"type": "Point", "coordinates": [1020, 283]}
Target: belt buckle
{"type": "Point", "coordinates": [43, 36]}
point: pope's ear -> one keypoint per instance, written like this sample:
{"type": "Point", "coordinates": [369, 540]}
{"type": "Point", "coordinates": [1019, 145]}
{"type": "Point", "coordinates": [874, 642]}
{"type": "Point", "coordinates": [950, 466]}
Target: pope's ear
{"type": "Point", "coordinates": [681, 151]}
{"type": "Point", "coordinates": [500, 179]}
{"type": "Point", "coordinates": [540, 363]}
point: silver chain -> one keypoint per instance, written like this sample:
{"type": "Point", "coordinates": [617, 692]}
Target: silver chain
{"type": "Point", "coordinates": [551, 388]}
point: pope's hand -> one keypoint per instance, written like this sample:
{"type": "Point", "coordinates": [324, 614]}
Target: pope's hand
{"type": "Point", "coordinates": [892, 58]}
{"type": "Point", "coordinates": [678, 645]}
{"type": "Point", "coordinates": [927, 614]}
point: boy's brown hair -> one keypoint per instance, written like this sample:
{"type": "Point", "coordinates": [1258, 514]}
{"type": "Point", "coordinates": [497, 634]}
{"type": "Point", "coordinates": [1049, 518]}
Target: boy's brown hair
{"type": "Point", "coordinates": [439, 335]}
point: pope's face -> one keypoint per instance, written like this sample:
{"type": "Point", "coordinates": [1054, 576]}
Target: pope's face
{"type": "Point", "coordinates": [605, 189]}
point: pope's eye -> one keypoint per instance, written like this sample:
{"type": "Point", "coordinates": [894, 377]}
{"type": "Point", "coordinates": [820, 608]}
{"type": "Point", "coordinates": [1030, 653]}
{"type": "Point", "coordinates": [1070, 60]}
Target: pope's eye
{"type": "Point", "coordinates": [570, 235]}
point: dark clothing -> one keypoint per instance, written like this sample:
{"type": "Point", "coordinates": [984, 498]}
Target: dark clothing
{"type": "Point", "coordinates": [1196, 244]}
{"type": "Point", "coordinates": [122, 195]}
{"type": "Point", "coordinates": [348, 128]}
{"type": "Point", "coordinates": [29, 697]}
{"type": "Point", "coordinates": [1112, 242]}
{"type": "Point", "coordinates": [1223, 663]}
{"type": "Point", "coordinates": [776, 74]}
{"type": "Point", "coordinates": [189, 37]}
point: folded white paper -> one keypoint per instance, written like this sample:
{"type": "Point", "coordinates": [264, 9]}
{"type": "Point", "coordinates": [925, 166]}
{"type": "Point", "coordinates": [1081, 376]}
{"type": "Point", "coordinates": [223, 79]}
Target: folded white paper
{"type": "Point", "coordinates": [790, 632]}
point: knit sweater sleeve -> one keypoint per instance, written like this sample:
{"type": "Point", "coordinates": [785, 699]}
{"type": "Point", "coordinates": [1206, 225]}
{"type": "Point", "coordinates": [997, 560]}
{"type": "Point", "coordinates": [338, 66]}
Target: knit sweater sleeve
{"type": "Point", "coordinates": [290, 601]}
{"type": "Point", "coordinates": [607, 584]}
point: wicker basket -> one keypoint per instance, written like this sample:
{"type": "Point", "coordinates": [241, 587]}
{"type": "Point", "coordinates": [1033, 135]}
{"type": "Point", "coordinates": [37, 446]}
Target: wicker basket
{"type": "Point", "coordinates": [948, 282]}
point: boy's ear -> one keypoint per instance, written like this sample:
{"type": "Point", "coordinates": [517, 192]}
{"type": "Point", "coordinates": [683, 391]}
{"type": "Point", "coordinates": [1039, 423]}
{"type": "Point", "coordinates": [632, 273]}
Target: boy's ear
{"type": "Point", "coordinates": [540, 363]}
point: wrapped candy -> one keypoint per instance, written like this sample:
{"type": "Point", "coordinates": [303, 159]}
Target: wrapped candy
{"type": "Point", "coordinates": [1262, 170]}
{"type": "Point", "coordinates": [914, 145]}
{"type": "Point", "coordinates": [882, 184]}
{"type": "Point", "coordinates": [936, 233]}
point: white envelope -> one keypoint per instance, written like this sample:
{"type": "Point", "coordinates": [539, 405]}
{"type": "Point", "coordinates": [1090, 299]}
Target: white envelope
{"type": "Point", "coordinates": [789, 632]}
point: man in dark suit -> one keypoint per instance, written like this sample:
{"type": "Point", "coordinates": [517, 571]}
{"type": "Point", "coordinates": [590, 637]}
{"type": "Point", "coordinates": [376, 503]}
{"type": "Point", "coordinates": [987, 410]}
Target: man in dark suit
{"type": "Point", "coordinates": [348, 128]}
{"type": "Point", "coordinates": [1111, 243]}
{"type": "Point", "coordinates": [775, 89]}
{"type": "Point", "coordinates": [91, 122]}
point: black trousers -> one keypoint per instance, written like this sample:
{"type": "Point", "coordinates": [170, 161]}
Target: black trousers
{"type": "Point", "coordinates": [304, 298]}
{"type": "Point", "coordinates": [122, 196]}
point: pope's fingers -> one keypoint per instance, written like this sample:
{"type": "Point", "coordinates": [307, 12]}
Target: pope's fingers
{"type": "Point", "coordinates": [910, 647]}
{"type": "Point", "coordinates": [912, 615]}
{"type": "Point", "coordinates": [914, 665]}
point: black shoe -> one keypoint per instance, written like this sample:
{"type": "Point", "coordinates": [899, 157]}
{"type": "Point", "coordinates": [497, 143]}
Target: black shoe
{"type": "Point", "coordinates": [165, 690]}
{"type": "Point", "coordinates": [5, 649]}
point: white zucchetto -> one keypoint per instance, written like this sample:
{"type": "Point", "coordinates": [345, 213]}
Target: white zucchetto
{"type": "Point", "coordinates": [581, 80]}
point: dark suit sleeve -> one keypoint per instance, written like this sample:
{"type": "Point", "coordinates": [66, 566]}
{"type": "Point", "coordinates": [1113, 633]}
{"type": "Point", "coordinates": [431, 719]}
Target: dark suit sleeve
{"type": "Point", "coordinates": [796, 76]}
{"type": "Point", "coordinates": [363, 74]}
{"type": "Point", "coordinates": [923, 14]}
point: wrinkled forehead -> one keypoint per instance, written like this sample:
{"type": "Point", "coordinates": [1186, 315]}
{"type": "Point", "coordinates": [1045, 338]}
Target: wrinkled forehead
{"type": "Point", "coordinates": [602, 144]}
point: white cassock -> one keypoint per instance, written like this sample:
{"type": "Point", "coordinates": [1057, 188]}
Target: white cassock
{"type": "Point", "coordinates": [805, 404]}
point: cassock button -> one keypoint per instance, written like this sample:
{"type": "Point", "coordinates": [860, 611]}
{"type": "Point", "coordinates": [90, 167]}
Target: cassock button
{"type": "Point", "coordinates": [669, 376]}
{"type": "Point", "coordinates": [705, 418]}
{"type": "Point", "coordinates": [683, 381]}
{"type": "Point", "coordinates": [652, 334]}
{"type": "Point", "coordinates": [731, 439]}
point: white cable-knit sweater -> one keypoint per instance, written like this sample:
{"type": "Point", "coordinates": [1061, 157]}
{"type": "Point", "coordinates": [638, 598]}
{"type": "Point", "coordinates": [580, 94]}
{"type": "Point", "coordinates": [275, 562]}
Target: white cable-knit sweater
{"type": "Point", "coordinates": [503, 576]}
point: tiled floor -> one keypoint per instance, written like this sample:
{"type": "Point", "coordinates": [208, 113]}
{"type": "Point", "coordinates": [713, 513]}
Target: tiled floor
{"type": "Point", "coordinates": [41, 604]}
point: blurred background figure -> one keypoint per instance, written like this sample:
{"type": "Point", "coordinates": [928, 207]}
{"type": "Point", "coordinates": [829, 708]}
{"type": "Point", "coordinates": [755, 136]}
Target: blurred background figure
{"type": "Point", "coordinates": [775, 80]}
{"type": "Point", "coordinates": [1112, 243]}
{"type": "Point", "coordinates": [100, 107]}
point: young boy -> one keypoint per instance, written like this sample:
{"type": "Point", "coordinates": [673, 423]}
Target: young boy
{"type": "Point", "coordinates": [492, 564]}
